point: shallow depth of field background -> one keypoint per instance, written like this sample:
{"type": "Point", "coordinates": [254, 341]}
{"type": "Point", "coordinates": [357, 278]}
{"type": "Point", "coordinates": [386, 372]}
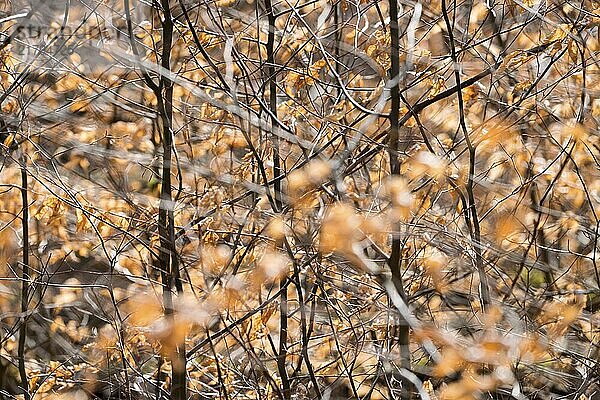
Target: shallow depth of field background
{"type": "Point", "coordinates": [264, 199]}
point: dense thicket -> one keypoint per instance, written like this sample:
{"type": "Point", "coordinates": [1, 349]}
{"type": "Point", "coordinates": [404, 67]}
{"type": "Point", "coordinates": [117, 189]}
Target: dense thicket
{"type": "Point", "coordinates": [313, 199]}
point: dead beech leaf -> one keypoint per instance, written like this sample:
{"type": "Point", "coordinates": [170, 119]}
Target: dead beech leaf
{"type": "Point", "coordinates": [451, 361]}
{"type": "Point", "coordinates": [437, 86]}
{"type": "Point", "coordinates": [434, 261]}
{"type": "Point", "coordinates": [169, 332]}
{"type": "Point", "coordinates": [401, 196]}
{"type": "Point", "coordinates": [144, 309]}
{"type": "Point", "coordinates": [339, 228]}
{"type": "Point", "coordinates": [559, 33]}
{"type": "Point", "coordinates": [515, 60]}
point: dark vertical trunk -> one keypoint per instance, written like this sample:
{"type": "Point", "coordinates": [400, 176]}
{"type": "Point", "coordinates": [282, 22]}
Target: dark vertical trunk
{"type": "Point", "coordinates": [395, 260]}
{"type": "Point", "coordinates": [169, 262]}
{"type": "Point", "coordinates": [272, 79]}
{"type": "Point", "coordinates": [25, 281]}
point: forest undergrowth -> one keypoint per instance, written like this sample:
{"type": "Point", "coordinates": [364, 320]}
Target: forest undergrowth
{"type": "Point", "coordinates": [319, 199]}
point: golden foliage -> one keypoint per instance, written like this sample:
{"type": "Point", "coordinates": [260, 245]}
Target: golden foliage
{"type": "Point", "coordinates": [283, 213]}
